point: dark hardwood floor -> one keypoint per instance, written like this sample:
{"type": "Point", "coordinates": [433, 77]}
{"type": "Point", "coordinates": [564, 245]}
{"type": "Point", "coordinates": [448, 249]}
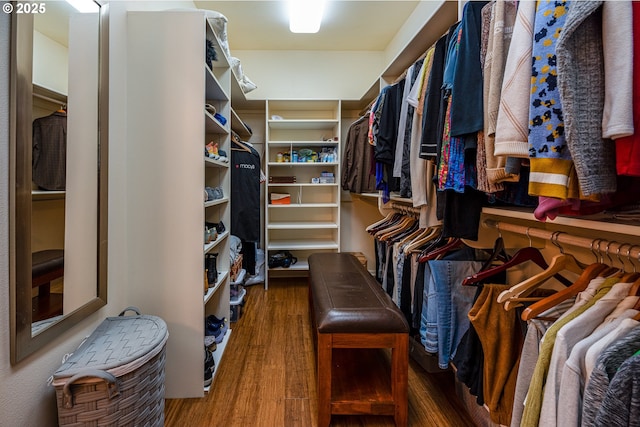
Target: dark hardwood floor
{"type": "Point", "coordinates": [267, 376]}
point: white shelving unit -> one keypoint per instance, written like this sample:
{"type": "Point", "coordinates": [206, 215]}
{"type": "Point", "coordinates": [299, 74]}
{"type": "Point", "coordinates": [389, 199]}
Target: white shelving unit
{"type": "Point", "coordinates": [311, 222]}
{"type": "Point", "coordinates": [169, 169]}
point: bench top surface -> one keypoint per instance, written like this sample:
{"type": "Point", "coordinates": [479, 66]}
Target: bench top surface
{"type": "Point", "coordinates": [44, 261]}
{"type": "Point", "coordinates": [346, 298]}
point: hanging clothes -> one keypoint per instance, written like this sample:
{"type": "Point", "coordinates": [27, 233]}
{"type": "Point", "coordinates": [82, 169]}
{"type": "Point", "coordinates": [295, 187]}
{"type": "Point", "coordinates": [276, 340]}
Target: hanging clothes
{"type": "Point", "coordinates": [503, 15]}
{"type": "Point", "coordinates": [49, 157]}
{"type": "Point", "coordinates": [531, 415]}
{"type": "Point", "coordinates": [466, 104]}
{"type": "Point", "coordinates": [513, 113]}
{"type": "Point", "coordinates": [628, 148]}
{"type": "Point", "coordinates": [357, 162]}
{"type": "Point", "coordinates": [621, 405]}
{"type": "Point", "coordinates": [245, 192]}
{"type": "Point", "coordinates": [581, 82]}
{"type": "Point", "coordinates": [608, 364]}
{"type": "Point", "coordinates": [432, 114]}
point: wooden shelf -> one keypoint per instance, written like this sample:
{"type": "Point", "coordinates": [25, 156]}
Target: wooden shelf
{"type": "Point", "coordinates": [302, 143]}
{"type": "Point", "coordinates": [213, 126]}
{"type": "Point", "coordinates": [214, 90]}
{"type": "Point", "coordinates": [47, 195]}
{"type": "Point", "coordinates": [222, 276]}
{"type": "Point", "coordinates": [317, 244]}
{"type": "Point", "coordinates": [312, 222]}
{"type": "Point", "coordinates": [301, 265]}
{"type": "Point", "coordinates": [216, 202]}
{"type": "Point", "coordinates": [303, 124]}
{"type": "Point", "coordinates": [301, 184]}
{"type": "Point", "coordinates": [303, 164]}
{"type": "Point", "coordinates": [238, 126]}
{"type": "Point", "coordinates": [209, 246]}
{"type": "Point", "coordinates": [361, 375]}
{"type": "Point", "coordinates": [305, 205]}
{"type": "Point", "coordinates": [217, 356]}
{"type": "Point", "coordinates": [300, 225]}
{"type": "Point", "coordinates": [601, 222]}
{"type": "Point", "coordinates": [212, 163]}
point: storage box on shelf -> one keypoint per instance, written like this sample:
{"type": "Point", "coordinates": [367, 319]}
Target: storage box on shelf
{"type": "Point", "coordinates": [303, 170]}
{"type": "Point", "coordinates": [237, 304]}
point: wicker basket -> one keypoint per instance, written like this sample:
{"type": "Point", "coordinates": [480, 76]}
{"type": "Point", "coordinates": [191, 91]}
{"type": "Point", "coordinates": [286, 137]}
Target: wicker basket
{"type": "Point", "coordinates": [116, 376]}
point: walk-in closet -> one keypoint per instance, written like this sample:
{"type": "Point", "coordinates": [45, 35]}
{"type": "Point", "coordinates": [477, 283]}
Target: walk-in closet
{"type": "Point", "coordinates": [409, 213]}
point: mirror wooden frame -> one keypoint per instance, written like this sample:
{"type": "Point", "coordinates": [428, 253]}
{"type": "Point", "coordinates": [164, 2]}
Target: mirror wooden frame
{"type": "Point", "coordinates": [23, 342]}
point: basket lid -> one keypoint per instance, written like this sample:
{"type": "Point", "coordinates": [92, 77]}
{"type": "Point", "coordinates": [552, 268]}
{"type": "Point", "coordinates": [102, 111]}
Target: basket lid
{"type": "Point", "coordinates": [118, 343]}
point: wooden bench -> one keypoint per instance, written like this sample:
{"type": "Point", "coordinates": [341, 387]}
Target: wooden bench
{"type": "Point", "coordinates": [356, 323]}
{"type": "Point", "coordinates": [46, 266]}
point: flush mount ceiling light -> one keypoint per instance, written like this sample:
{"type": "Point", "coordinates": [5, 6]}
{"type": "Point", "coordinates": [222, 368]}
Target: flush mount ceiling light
{"type": "Point", "coordinates": [305, 15]}
{"type": "Point", "coordinates": [84, 6]}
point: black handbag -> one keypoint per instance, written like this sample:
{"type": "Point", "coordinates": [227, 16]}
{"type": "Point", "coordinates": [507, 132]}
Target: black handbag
{"type": "Point", "coordinates": [282, 259]}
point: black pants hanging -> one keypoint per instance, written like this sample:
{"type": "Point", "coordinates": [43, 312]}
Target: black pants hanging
{"type": "Point", "coordinates": [249, 257]}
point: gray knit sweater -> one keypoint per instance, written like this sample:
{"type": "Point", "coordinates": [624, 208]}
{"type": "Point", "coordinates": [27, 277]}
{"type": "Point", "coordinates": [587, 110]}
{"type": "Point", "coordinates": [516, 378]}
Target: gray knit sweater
{"type": "Point", "coordinates": [606, 367]}
{"type": "Point", "coordinates": [581, 82]}
{"type": "Point", "coordinates": [621, 405]}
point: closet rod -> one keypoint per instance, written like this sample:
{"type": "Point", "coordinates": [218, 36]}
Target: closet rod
{"type": "Point", "coordinates": [405, 209]}
{"type": "Point", "coordinates": [610, 247]}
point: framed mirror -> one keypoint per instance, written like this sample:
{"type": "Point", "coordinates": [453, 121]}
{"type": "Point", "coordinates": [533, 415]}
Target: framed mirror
{"type": "Point", "coordinates": [58, 169]}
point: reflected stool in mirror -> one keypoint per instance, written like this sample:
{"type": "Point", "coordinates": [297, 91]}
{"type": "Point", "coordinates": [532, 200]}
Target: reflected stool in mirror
{"type": "Point", "coordinates": [46, 266]}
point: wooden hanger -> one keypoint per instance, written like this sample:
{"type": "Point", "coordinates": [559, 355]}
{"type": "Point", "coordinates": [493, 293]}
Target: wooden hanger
{"type": "Point", "coordinates": [394, 222]}
{"type": "Point", "coordinates": [240, 144]}
{"type": "Point", "coordinates": [518, 293]}
{"type": "Point", "coordinates": [384, 229]}
{"type": "Point", "coordinates": [384, 220]}
{"type": "Point", "coordinates": [414, 235]}
{"type": "Point", "coordinates": [401, 232]}
{"type": "Point", "coordinates": [405, 224]}
{"type": "Point", "coordinates": [590, 272]}
{"type": "Point", "coordinates": [525, 254]}
{"type": "Point", "coordinates": [429, 234]}
{"type": "Point", "coordinates": [453, 243]}
{"type": "Point", "coordinates": [496, 253]}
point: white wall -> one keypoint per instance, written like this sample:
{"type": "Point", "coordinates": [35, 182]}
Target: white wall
{"type": "Point", "coordinates": [303, 74]}
{"type": "Point", "coordinates": [50, 63]}
{"type": "Point", "coordinates": [25, 397]}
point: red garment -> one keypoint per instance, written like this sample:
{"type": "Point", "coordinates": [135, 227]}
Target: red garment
{"type": "Point", "coordinates": [628, 148]}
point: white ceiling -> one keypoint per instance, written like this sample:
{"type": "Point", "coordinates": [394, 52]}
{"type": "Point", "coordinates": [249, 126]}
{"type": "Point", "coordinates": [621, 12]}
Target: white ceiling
{"type": "Point", "coordinates": [346, 25]}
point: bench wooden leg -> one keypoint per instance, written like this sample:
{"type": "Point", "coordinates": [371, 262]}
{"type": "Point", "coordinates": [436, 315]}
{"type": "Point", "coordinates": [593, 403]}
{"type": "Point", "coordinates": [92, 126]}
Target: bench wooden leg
{"type": "Point", "coordinates": [325, 352]}
{"type": "Point", "coordinates": [400, 379]}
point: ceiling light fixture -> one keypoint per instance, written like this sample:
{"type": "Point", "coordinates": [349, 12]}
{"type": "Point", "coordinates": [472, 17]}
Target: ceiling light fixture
{"type": "Point", "coordinates": [305, 15]}
{"type": "Point", "coordinates": [84, 6]}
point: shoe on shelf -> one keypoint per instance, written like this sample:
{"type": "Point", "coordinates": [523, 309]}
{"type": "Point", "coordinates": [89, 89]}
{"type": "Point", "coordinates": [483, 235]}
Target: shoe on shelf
{"type": "Point", "coordinates": [222, 332]}
{"type": "Point", "coordinates": [210, 109]}
{"type": "Point", "coordinates": [210, 343]}
{"type": "Point", "coordinates": [216, 321]}
{"type": "Point", "coordinates": [211, 264]}
{"type": "Point", "coordinates": [219, 117]}
{"type": "Point", "coordinates": [209, 367]}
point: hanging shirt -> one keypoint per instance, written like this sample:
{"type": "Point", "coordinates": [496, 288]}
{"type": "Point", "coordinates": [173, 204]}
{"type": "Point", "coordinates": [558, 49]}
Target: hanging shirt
{"type": "Point", "coordinates": [551, 165]}
{"type": "Point", "coordinates": [49, 158]}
